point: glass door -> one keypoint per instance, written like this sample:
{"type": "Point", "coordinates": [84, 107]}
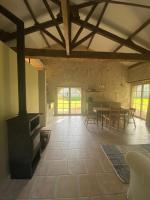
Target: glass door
{"type": "Point", "coordinates": [136, 99]}
{"type": "Point", "coordinates": [145, 100]}
{"type": "Point", "coordinates": [62, 101]}
{"type": "Point", "coordinates": [68, 100]}
{"type": "Point", "coordinates": [140, 99]}
{"type": "Point", "coordinates": [75, 100]}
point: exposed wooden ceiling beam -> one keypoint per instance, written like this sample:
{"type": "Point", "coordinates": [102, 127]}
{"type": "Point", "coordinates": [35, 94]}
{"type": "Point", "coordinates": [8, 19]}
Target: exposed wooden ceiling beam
{"type": "Point", "coordinates": [35, 21]}
{"type": "Point", "coordinates": [82, 40]}
{"type": "Point", "coordinates": [90, 3]}
{"type": "Point", "coordinates": [53, 18]}
{"type": "Point", "coordinates": [98, 22]}
{"type": "Point", "coordinates": [82, 27]}
{"type": "Point", "coordinates": [10, 15]}
{"type": "Point", "coordinates": [65, 8]}
{"type": "Point", "coordinates": [33, 29]}
{"type": "Point", "coordinates": [86, 4]}
{"type": "Point", "coordinates": [130, 4]}
{"type": "Point", "coordinates": [134, 33]}
{"type": "Point", "coordinates": [135, 65]}
{"type": "Point", "coordinates": [57, 2]}
{"type": "Point", "coordinates": [86, 54]}
{"type": "Point", "coordinates": [54, 38]}
{"type": "Point", "coordinates": [111, 36]}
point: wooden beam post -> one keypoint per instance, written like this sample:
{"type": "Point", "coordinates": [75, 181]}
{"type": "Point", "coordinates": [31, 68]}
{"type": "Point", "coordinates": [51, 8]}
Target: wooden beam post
{"type": "Point", "coordinates": [21, 69]}
{"type": "Point", "coordinates": [67, 24]}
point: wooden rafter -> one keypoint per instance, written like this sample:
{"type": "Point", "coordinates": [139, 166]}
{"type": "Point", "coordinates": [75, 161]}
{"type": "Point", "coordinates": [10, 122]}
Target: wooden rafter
{"type": "Point", "coordinates": [54, 38]}
{"type": "Point", "coordinates": [82, 40]}
{"type": "Point", "coordinates": [111, 36]}
{"type": "Point", "coordinates": [43, 30]}
{"type": "Point", "coordinates": [53, 18]}
{"type": "Point", "coordinates": [32, 29]}
{"type": "Point", "coordinates": [86, 54]}
{"type": "Point", "coordinates": [130, 4]}
{"type": "Point", "coordinates": [82, 27]}
{"type": "Point", "coordinates": [89, 3]}
{"type": "Point", "coordinates": [134, 33]}
{"type": "Point", "coordinates": [98, 22]}
{"type": "Point", "coordinates": [57, 2]}
{"type": "Point", "coordinates": [65, 8]}
{"type": "Point", "coordinates": [35, 21]}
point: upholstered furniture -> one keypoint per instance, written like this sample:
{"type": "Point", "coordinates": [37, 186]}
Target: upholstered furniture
{"type": "Point", "coordinates": [139, 187]}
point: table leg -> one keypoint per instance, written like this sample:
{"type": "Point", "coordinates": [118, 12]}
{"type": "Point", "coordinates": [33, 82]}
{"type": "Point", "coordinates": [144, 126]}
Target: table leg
{"type": "Point", "coordinates": [97, 117]}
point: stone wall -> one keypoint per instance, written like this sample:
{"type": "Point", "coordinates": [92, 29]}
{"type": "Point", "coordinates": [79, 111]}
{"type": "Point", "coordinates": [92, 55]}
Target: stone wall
{"type": "Point", "coordinates": [89, 74]}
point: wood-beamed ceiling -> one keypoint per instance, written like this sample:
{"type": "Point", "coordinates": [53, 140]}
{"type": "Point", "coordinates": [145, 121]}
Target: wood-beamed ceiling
{"type": "Point", "coordinates": [69, 14]}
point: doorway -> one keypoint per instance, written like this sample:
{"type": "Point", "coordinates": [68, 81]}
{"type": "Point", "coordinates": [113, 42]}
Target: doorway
{"type": "Point", "coordinates": [140, 99]}
{"type": "Point", "coordinates": [69, 101]}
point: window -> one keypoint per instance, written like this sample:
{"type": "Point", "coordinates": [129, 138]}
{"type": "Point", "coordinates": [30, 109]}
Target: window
{"type": "Point", "coordinates": [140, 99]}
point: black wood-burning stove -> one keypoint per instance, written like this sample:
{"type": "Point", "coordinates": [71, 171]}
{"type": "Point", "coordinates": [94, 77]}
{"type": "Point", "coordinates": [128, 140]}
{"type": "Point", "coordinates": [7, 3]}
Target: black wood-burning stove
{"type": "Point", "coordinates": [24, 145]}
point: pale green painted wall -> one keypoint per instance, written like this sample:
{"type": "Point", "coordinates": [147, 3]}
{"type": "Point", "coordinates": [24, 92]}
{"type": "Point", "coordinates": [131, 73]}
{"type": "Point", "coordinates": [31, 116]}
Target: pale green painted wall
{"type": "Point", "coordinates": [42, 97]}
{"type": "Point", "coordinates": [32, 90]}
{"type": "Point", "coordinates": [8, 101]}
{"type": "Point", "coordinates": [9, 98]}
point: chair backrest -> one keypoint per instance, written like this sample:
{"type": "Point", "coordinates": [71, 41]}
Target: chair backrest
{"type": "Point", "coordinates": [115, 112]}
{"type": "Point", "coordinates": [132, 112]}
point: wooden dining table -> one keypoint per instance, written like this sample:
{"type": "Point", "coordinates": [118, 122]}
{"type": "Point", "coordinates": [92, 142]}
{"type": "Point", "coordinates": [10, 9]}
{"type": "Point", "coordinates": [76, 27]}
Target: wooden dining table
{"type": "Point", "coordinates": [104, 110]}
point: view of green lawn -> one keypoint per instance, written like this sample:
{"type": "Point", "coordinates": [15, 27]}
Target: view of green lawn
{"type": "Point", "coordinates": [136, 102]}
{"type": "Point", "coordinates": [63, 104]}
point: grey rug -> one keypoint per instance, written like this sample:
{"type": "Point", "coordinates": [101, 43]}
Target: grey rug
{"type": "Point", "coordinates": [118, 162]}
{"type": "Point", "coordinates": [115, 154]}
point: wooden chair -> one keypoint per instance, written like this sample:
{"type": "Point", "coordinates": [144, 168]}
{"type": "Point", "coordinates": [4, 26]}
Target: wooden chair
{"type": "Point", "coordinates": [113, 118]}
{"type": "Point", "coordinates": [131, 114]}
{"type": "Point", "coordinates": [90, 118]}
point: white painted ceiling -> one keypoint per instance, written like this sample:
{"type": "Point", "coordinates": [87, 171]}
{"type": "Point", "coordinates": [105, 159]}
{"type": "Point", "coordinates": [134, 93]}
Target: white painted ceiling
{"type": "Point", "coordinates": [120, 20]}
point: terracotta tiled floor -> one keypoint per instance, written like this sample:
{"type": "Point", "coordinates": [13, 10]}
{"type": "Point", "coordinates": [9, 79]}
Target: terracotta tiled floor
{"type": "Point", "coordinates": [73, 165]}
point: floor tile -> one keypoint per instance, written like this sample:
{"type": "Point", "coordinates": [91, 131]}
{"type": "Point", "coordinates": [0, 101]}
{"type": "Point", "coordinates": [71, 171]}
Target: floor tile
{"type": "Point", "coordinates": [93, 166]}
{"type": "Point", "coordinates": [77, 166]}
{"type": "Point", "coordinates": [55, 154]}
{"type": "Point", "coordinates": [66, 187]}
{"type": "Point", "coordinates": [110, 184]}
{"type": "Point", "coordinates": [88, 186]}
{"type": "Point", "coordinates": [44, 187]}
